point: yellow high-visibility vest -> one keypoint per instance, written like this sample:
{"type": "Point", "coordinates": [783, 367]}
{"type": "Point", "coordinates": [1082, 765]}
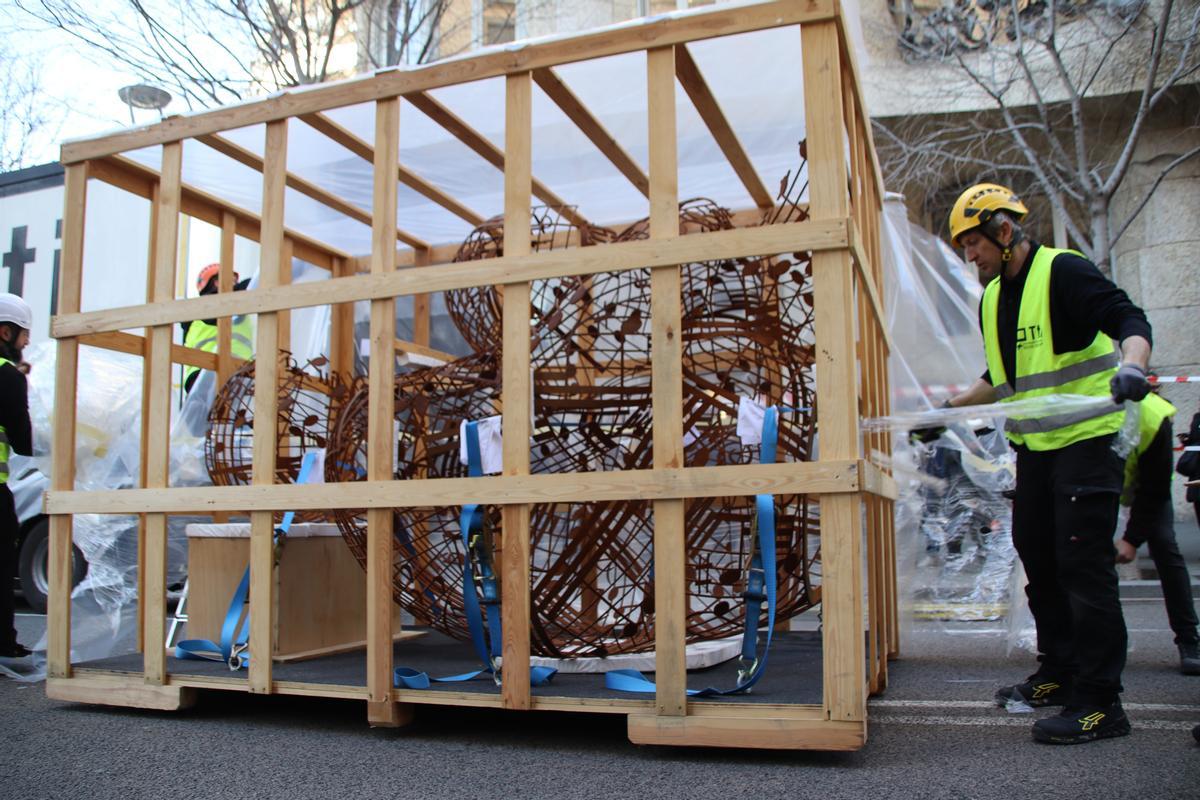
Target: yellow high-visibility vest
{"type": "Point", "coordinates": [1042, 372]}
{"type": "Point", "coordinates": [203, 336]}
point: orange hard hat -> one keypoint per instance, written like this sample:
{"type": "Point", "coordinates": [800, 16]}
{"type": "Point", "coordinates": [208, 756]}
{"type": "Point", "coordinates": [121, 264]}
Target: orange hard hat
{"type": "Point", "coordinates": [207, 274]}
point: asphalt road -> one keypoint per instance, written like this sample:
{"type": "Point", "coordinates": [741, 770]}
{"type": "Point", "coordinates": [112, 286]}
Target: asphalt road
{"type": "Point", "coordinates": [933, 734]}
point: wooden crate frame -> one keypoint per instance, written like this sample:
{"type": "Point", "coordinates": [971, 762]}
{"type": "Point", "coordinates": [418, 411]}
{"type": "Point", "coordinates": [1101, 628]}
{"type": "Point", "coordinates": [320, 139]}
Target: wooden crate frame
{"type": "Point", "coordinates": [860, 623]}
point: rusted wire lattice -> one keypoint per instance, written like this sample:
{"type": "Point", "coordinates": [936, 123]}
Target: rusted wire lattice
{"type": "Point", "coordinates": [309, 399]}
{"type": "Point", "coordinates": [747, 333]}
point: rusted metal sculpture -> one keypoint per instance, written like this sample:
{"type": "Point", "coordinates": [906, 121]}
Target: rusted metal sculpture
{"type": "Point", "coordinates": [747, 333]}
{"type": "Point", "coordinates": [309, 399]}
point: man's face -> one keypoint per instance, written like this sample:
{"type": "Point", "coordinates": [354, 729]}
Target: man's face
{"type": "Point", "coordinates": [978, 249]}
{"type": "Point", "coordinates": [18, 338]}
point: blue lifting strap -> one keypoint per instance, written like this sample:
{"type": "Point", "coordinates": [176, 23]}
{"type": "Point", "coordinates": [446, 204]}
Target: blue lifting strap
{"type": "Point", "coordinates": [235, 631]}
{"type": "Point", "coordinates": [760, 586]}
{"type": "Point", "coordinates": [470, 524]}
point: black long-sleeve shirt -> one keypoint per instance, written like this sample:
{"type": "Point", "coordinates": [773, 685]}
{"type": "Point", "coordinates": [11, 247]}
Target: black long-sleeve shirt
{"type": "Point", "coordinates": [1082, 303]}
{"type": "Point", "coordinates": [14, 409]}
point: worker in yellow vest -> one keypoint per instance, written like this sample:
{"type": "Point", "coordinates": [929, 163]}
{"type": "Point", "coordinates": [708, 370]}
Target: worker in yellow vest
{"type": "Point", "coordinates": [16, 435]}
{"type": "Point", "coordinates": [1049, 320]}
{"type": "Point", "coordinates": [1152, 521]}
{"type": "Point", "coordinates": [202, 333]}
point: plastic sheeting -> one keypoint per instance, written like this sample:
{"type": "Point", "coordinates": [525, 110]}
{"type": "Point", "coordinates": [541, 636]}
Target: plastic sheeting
{"type": "Point", "coordinates": [956, 565]}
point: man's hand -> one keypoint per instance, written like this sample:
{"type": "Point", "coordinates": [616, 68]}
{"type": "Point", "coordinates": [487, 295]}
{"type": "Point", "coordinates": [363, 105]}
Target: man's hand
{"type": "Point", "coordinates": [1126, 552]}
{"type": "Point", "coordinates": [24, 367]}
{"type": "Point", "coordinates": [1129, 383]}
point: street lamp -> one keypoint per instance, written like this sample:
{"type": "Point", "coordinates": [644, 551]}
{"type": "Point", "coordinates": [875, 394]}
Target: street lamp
{"type": "Point", "coordinates": [142, 95]}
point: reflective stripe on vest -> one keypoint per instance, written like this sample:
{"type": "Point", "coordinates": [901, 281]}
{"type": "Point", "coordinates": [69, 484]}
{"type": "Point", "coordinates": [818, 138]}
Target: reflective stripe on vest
{"type": "Point", "coordinates": [1042, 372]}
{"type": "Point", "coordinates": [4, 449]}
{"type": "Point", "coordinates": [203, 336]}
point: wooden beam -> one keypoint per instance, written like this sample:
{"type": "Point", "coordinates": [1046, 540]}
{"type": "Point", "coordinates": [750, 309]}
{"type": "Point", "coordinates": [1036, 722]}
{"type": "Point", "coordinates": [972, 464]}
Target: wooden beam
{"type": "Point", "coordinates": [765, 733]}
{"type": "Point", "coordinates": [226, 363]}
{"type": "Point", "coordinates": [706, 105]}
{"type": "Point", "coordinates": [156, 440]}
{"type": "Point", "coordinates": [341, 329]}
{"type": "Point", "coordinates": [575, 110]}
{"type": "Point", "coordinates": [422, 312]}
{"type": "Point", "coordinates": [119, 690]}
{"type": "Point", "coordinates": [266, 408]}
{"type": "Point", "coordinates": [62, 461]}
{"type": "Point", "coordinates": [131, 343]}
{"type": "Point", "coordinates": [136, 178]}
{"type": "Point", "coordinates": [815, 235]}
{"type": "Point", "coordinates": [666, 356]}
{"type": "Point", "coordinates": [323, 124]}
{"type": "Point", "coordinates": [381, 414]}
{"type": "Point", "coordinates": [488, 151]}
{"type": "Point", "coordinates": [515, 369]}
{"type": "Point", "coordinates": [836, 369]}
{"type": "Point", "coordinates": [663, 32]}
{"type": "Point", "coordinates": [413, 348]}
{"type": "Point", "coordinates": [829, 476]}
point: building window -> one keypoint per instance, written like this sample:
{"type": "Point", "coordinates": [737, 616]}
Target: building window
{"type": "Point", "coordinates": [499, 21]}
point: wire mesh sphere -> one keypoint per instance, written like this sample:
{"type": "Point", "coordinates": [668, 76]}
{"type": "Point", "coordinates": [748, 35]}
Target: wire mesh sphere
{"type": "Point", "coordinates": [308, 400]}
{"type": "Point", "coordinates": [477, 311]}
{"type": "Point", "coordinates": [746, 334]}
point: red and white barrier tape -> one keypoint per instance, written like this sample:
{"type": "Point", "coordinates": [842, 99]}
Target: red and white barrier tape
{"type": "Point", "coordinates": [1174, 378]}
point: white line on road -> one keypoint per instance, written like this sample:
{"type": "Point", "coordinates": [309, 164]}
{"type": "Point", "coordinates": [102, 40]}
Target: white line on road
{"type": "Point", "coordinates": [1159, 707]}
{"type": "Point", "coordinates": [1013, 722]}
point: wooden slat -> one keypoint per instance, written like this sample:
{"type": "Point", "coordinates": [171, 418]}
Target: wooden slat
{"type": "Point", "coordinates": [706, 105]}
{"type": "Point", "coordinates": [323, 124]}
{"type": "Point", "coordinates": [815, 235]}
{"type": "Point", "coordinates": [131, 176]}
{"type": "Point", "coordinates": [62, 449]}
{"type": "Point", "coordinates": [657, 33]}
{"type": "Point", "coordinates": [381, 411]}
{"type": "Point", "coordinates": [825, 477]}
{"type": "Point", "coordinates": [158, 411]}
{"type": "Point", "coordinates": [341, 329]}
{"type": "Point", "coordinates": [266, 406]}
{"type": "Point", "coordinates": [670, 584]}
{"type": "Point", "coordinates": [225, 361]}
{"type": "Point", "coordinates": [422, 311]}
{"type": "Point", "coordinates": [488, 151]}
{"type": "Point", "coordinates": [837, 414]}
{"type": "Point", "coordinates": [131, 343]}
{"type": "Point", "coordinates": [577, 112]}
{"type": "Point", "coordinates": [515, 564]}
{"type": "Point", "coordinates": [781, 733]}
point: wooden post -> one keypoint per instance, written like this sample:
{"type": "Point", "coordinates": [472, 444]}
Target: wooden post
{"type": "Point", "coordinates": [515, 570]}
{"type": "Point", "coordinates": [666, 355]}
{"type": "Point", "coordinates": [62, 465]}
{"type": "Point", "coordinates": [145, 354]}
{"type": "Point", "coordinates": [266, 411]}
{"type": "Point", "coordinates": [225, 324]}
{"type": "Point", "coordinates": [381, 412]}
{"type": "Point", "coordinates": [341, 328]}
{"type": "Point", "coordinates": [155, 445]}
{"type": "Point", "coordinates": [837, 395]}
{"type": "Point", "coordinates": [421, 320]}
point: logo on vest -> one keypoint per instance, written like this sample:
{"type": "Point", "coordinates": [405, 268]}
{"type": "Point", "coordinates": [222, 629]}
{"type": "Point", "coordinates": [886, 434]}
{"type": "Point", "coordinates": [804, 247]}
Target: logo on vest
{"type": "Point", "coordinates": [1029, 336]}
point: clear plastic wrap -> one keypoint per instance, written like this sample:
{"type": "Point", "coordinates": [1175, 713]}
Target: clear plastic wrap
{"type": "Point", "coordinates": [956, 564]}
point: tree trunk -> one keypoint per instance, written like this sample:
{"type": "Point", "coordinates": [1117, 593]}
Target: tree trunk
{"type": "Point", "coordinates": [1101, 244]}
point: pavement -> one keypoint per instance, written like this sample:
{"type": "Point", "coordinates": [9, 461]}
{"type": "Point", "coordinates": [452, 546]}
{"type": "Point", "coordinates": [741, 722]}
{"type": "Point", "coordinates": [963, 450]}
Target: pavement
{"type": "Point", "coordinates": [933, 734]}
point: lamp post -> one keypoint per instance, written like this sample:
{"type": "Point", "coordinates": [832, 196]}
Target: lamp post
{"type": "Point", "coordinates": [142, 95]}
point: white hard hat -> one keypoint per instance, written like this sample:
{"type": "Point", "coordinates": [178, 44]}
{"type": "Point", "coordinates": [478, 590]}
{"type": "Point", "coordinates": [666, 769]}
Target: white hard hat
{"type": "Point", "coordinates": [14, 309]}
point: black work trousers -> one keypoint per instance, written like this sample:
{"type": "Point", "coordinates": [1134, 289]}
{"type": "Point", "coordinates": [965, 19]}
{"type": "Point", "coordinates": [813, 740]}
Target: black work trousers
{"type": "Point", "coordinates": [1152, 520]}
{"type": "Point", "coordinates": [1064, 517]}
{"type": "Point", "coordinates": [8, 566]}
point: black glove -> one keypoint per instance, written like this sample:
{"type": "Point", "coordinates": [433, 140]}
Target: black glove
{"type": "Point", "coordinates": [1129, 383]}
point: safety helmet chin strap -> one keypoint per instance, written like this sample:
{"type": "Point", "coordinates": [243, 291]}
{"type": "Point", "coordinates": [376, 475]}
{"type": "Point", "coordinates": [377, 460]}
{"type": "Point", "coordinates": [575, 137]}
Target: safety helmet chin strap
{"type": "Point", "coordinates": [988, 224]}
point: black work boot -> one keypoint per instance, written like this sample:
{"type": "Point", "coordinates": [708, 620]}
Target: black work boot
{"type": "Point", "coordinates": [1189, 658]}
{"type": "Point", "coordinates": [1079, 724]}
{"type": "Point", "coordinates": [1037, 691]}
{"type": "Point", "coordinates": [14, 650]}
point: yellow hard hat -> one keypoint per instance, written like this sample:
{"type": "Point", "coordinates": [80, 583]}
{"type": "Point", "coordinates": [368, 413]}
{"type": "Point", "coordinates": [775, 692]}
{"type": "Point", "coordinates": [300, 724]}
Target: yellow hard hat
{"type": "Point", "coordinates": [976, 206]}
